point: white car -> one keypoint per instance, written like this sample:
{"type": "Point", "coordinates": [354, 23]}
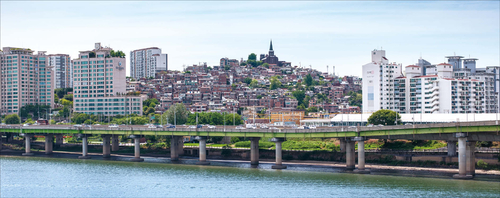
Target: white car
{"type": "Point", "coordinates": [77, 125]}
{"type": "Point", "coordinates": [240, 127]}
{"type": "Point", "coordinates": [212, 127]}
{"type": "Point", "coordinates": [273, 128]}
{"type": "Point", "coordinates": [26, 124]}
{"type": "Point", "coordinates": [113, 126]}
{"type": "Point", "coordinates": [312, 127]}
{"type": "Point", "coordinates": [192, 127]}
{"type": "Point", "coordinates": [264, 127]}
{"type": "Point", "coordinates": [370, 125]}
{"type": "Point", "coordinates": [152, 126]}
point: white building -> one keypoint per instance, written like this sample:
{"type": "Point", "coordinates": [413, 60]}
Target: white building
{"type": "Point", "coordinates": [26, 78]}
{"type": "Point", "coordinates": [442, 88]}
{"type": "Point", "coordinates": [61, 63]}
{"type": "Point", "coordinates": [145, 63]}
{"type": "Point", "coordinates": [100, 84]}
{"type": "Point", "coordinates": [378, 82]}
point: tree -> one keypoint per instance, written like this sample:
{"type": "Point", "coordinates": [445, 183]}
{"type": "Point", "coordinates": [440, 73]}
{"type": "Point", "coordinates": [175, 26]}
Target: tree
{"type": "Point", "coordinates": [275, 83]}
{"type": "Point", "coordinates": [12, 119]}
{"type": "Point", "coordinates": [252, 56]}
{"type": "Point", "coordinates": [266, 65]}
{"type": "Point", "coordinates": [149, 110]}
{"type": "Point", "coordinates": [309, 80]}
{"type": "Point", "coordinates": [299, 95]}
{"type": "Point", "coordinates": [247, 80]}
{"type": "Point", "coordinates": [385, 117]}
{"type": "Point", "coordinates": [312, 109]}
{"type": "Point", "coordinates": [243, 64]}
{"type": "Point", "coordinates": [355, 99]}
{"type": "Point", "coordinates": [254, 83]}
{"type": "Point", "coordinates": [181, 114]}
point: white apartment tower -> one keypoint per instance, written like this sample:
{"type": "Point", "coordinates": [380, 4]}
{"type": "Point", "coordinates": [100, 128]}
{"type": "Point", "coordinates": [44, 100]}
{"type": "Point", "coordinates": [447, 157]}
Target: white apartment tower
{"type": "Point", "coordinates": [145, 63]}
{"type": "Point", "coordinates": [26, 78]}
{"type": "Point", "coordinates": [378, 82]}
{"type": "Point", "coordinates": [61, 63]}
{"type": "Point", "coordinates": [99, 84]}
{"type": "Point", "coordinates": [441, 88]}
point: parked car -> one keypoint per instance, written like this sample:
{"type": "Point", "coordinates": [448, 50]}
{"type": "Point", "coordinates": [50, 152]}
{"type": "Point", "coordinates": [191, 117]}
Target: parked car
{"type": "Point", "coordinates": [408, 124]}
{"type": "Point", "coordinates": [352, 127]}
{"type": "Point", "coordinates": [264, 127]}
{"type": "Point", "coordinates": [160, 126]}
{"type": "Point", "coordinates": [300, 127]}
{"type": "Point", "coordinates": [3, 124]}
{"type": "Point", "coordinates": [97, 125]}
{"type": "Point", "coordinates": [77, 125]}
{"type": "Point", "coordinates": [151, 126]}
{"type": "Point", "coordinates": [274, 128]}
{"type": "Point", "coordinates": [113, 126]}
{"type": "Point", "coordinates": [26, 124]}
{"type": "Point", "coordinates": [199, 126]}
{"type": "Point", "coordinates": [191, 127]}
{"type": "Point", "coordinates": [312, 127]}
{"type": "Point", "coordinates": [171, 126]}
{"type": "Point", "coordinates": [380, 125]}
{"type": "Point", "coordinates": [240, 127]}
{"type": "Point", "coordinates": [370, 125]}
{"type": "Point", "coordinates": [211, 127]}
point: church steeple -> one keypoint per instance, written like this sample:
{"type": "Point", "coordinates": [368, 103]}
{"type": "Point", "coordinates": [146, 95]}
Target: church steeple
{"type": "Point", "coordinates": [271, 46]}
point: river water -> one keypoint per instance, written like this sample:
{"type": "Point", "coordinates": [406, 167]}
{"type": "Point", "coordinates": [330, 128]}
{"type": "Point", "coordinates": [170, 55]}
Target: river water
{"type": "Point", "coordinates": [60, 177]}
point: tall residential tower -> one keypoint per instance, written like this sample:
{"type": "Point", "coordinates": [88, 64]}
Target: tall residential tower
{"type": "Point", "coordinates": [145, 63]}
{"type": "Point", "coordinates": [100, 85]}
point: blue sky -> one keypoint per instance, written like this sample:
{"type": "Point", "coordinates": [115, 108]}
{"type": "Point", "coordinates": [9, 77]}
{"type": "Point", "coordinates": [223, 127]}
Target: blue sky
{"type": "Point", "coordinates": [334, 33]}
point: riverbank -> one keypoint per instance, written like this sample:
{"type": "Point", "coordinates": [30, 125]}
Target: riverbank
{"type": "Point", "coordinates": [292, 165]}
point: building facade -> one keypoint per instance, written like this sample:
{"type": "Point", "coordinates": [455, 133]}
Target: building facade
{"type": "Point", "coordinates": [61, 63]}
{"type": "Point", "coordinates": [145, 63]}
{"type": "Point", "coordinates": [453, 87]}
{"type": "Point", "coordinates": [100, 85]}
{"type": "Point", "coordinates": [26, 78]}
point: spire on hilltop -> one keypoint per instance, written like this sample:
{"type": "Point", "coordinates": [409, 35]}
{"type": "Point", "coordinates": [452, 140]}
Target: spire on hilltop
{"type": "Point", "coordinates": [271, 46]}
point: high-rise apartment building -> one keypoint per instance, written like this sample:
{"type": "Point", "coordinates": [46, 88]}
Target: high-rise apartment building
{"type": "Point", "coordinates": [26, 78]}
{"type": "Point", "coordinates": [378, 82]}
{"type": "Point", "coordinates": [453, 87]}
{"type": "Point", "coordinates": [62, 70]}
{"type": "Point", "coordinates": [99, 84]}
{"type": "Point", "coordinates": [145, 63]}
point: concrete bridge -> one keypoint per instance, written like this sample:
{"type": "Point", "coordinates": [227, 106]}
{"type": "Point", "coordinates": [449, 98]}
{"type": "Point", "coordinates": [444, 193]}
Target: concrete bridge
{"type": "Point", "coordinates": [465, 133]}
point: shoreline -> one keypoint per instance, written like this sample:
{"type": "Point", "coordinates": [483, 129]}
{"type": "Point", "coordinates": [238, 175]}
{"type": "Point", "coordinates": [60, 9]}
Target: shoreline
{"type": "Point", "coordinates": [293, 165]}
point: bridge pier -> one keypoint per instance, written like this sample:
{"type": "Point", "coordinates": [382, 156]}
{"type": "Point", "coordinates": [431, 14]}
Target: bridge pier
{"type": "Point", "coordinates": [203, 150]}
{"type": "Point", "coordinates": [279, 153]}
{"type": "Point", "coordinates": [342, 145]}
{"type": "Point", "coordinates": [115, 143]}
{"type": "Point", "coordinates": [59, 140]}
{"type": "Point", "coordinates": [349, 156]}
{"type": "Point", "coordinates": [254, 150]}
{"type": "Point", "coordinates": [452, 148]}
{"type": "Point", "coordinates": [471, 158]}
{"type": "Point", "coordinates": [84, 148]}
{"type": "Point", "coordinates": [174, 147]}
{"type": "Point", "coordinates": [27, 145]}
{"type": "Point", "coordinates": [462, 157]}
{"type": "Point", "coordinates": [361, 156]}
{"type": "Point", "coordinates": [106, 153]}
{"type": "Point", "coordinates": [49, 142]}
{"type": "Point", "coordinates": [137, 148]}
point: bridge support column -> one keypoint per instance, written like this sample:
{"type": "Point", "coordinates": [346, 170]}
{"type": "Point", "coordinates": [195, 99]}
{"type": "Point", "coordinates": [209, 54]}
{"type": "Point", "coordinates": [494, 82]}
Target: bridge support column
{"type": "Point", "coordinates": [180, 145]}
{"type": "Point", "coordinates": [279, 153]}
{"type": "Point", "coordinates": [137, 148]}
{"type": "Point", "coordinates": [203, 151]}
{"type": "Point", "coordinates": [174, 147]}
{"type": "Point", "coordinates": [361, 156]}
{"type": "Point", "coordinates": [471, 158]}
{"type": "Point", "coordinates": [49, 142]}
{"type": "Point", "coordinates": [343, 143]}
{"type": "Point", "coordinates": [106, 152]}
{"type": "Point", "coordinates": [84, 148]}
{"type": "Point", "coordinates": [59, 140]}
{"type": "Point", "coordinates": [254, 150]}
{"type": "Point", "coordinates": [462, 157]}
{"type": "Point", "coordinates": [452, 148]}
{"type": "Point", "coordinates": [115, 143]}
{"type": "Point", "coordinates": [349, 155]}
{"type": "Point", "coordinates": [27, 145]}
